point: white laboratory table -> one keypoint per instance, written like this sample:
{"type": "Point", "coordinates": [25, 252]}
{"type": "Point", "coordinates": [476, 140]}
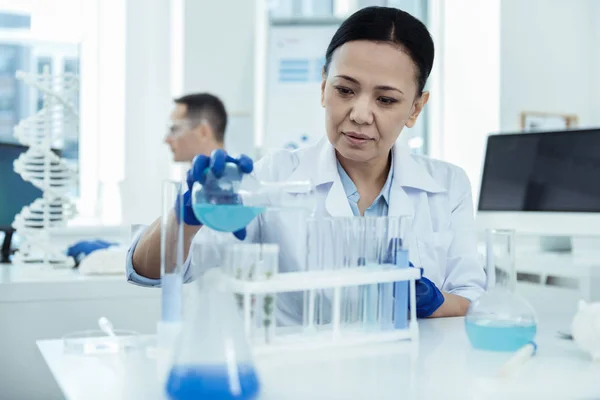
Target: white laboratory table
{"type": "Point", "coordinates": [441, 365]}
{"type": "Point", "coordinates": [38, 302]}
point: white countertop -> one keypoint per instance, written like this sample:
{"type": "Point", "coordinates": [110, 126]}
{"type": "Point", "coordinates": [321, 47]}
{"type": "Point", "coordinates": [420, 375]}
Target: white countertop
{"type": "Point", "coordinates": [445, 366]}
{"type": "Point", "coordinates": [20, 283]}
{"type": "Point", "coordinates": [38, 273]}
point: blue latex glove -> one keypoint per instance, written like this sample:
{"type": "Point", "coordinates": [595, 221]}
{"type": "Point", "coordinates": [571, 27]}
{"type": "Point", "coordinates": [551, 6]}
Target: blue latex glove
{"type": "Point", "coordinates": [84, 248]}
{"type": "Point", "coordinates": [429, 297]}
{"type": "Point", "coordinates": [202, 166]}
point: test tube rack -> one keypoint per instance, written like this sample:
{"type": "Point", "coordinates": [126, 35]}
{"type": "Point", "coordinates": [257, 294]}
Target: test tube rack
{"type": "Point", "coordinates": [45, 170]}
{"type": "Point", "coordinates": [308, 337]}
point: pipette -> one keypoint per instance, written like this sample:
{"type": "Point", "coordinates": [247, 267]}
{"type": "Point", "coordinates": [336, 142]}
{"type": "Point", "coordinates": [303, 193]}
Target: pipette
{"type": "Point", "coordinates": [519, 358]}
{"type": "Point", "coordinates": [106, 326]}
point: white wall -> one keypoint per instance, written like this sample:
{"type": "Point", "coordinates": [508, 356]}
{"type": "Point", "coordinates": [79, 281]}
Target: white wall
{"type": "Point", "coordinates": [549, 59]}
{"type": "Point", "coordinates": [147, 106]}
{"type": "Point", "coordinates": [465, 82]}
{"type": "Point", "coordinates": [219, 58]}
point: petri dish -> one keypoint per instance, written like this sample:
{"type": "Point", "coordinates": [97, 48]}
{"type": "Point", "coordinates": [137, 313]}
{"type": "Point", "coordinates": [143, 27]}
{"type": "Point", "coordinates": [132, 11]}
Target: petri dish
{"type": "Point", "coordinates": [96, 342]}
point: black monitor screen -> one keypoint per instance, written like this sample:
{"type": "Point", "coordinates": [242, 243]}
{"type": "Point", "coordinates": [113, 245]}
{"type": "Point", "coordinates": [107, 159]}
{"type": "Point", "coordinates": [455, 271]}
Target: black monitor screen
{"type": "Point", "coordinates": [544, 171]}
{"type": "Point", "coordinates": [15, 193]}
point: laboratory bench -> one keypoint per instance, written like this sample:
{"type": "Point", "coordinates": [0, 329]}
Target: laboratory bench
{"type": "Point", "coordinates": [441, 364]}
{"type": "Point", "coordinates": [37, 302]}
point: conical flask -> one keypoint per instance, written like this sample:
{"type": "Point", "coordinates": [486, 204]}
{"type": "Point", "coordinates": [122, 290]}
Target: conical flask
{"type": "Point", "coordinates": [501, 319]}
{"type": "Point", "coordinates": [212, 358]}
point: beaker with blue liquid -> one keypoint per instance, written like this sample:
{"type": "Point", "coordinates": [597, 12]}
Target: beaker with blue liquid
{"type": "Point", "coordinates": [229, 203]}
{"type": "Point", "coordinates": [501, 319]}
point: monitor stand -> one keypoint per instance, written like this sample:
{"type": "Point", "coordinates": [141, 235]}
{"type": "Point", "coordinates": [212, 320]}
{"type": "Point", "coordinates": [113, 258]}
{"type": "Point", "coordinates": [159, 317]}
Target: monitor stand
{"type": "Point", "coordinates": [5, 254]}
{"type": "Point", "coordinates": [556, 244]}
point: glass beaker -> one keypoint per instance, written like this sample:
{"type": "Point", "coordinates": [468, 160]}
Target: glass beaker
{"type": "Point", "coordinates": [500, 320]}
{"type": "Point", "coordinates": [231, 202]}
{"type": "Point", "coordinates": [212, 357]}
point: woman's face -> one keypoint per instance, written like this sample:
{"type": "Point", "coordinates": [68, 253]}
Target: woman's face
{"type": "Point", "coordinates": [369, 96]}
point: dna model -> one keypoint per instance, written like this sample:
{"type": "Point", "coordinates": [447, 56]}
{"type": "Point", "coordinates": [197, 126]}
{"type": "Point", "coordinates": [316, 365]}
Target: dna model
{"type": "Point", "coordinates": [44, 169]}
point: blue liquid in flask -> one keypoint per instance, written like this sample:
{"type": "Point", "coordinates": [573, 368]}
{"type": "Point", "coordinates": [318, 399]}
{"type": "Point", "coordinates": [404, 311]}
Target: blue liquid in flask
{"type": "Point", "coordinates": [497, 335]}
{"type": "Point", "coordinates": [213, 382]}
{"type": "Point", "coordinates": [226, 217]}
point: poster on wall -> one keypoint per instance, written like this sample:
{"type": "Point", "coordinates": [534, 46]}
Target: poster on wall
{"type": "Point", "coordinates": [294, 117]}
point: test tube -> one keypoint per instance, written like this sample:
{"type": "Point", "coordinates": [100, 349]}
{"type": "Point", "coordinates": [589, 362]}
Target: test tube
{"type": "Point", "coordinates": [268, 268]}
{"type": "Point", "coordinates": [245, 259]}
{"type": "Point", "coordinates": [386, 290]}
{"type": "Point", "coordinates": [333, 257]}
{"type": "Point", "coordinates": [374, 247]}
{"type": "Point", "coordinates": [345, 232]}
{"type": "Point", "coordinates": [312, 264]}
{"type": "Point", "coordinates": [338, 254]}
{"type": "Point", "coordinates": [398, 230]}
{"type": "Point", "coordinates": [332, 254]}
{"type": "Point", "coordinates": [329, 247]}
{"type": "Point", "coordinates": [355, 257]}
{"type": "Point", "coordinates": [172, 252]}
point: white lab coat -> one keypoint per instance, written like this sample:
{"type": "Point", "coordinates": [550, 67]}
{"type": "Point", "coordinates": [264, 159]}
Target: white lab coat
{"type": "Point", "coordinates": [435, 194]}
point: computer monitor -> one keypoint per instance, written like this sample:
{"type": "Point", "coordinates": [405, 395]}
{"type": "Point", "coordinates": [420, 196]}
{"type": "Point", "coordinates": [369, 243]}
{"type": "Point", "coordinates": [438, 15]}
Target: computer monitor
{"type": "Point", "coordinates": [542, 183]}
{"type": "Point", "coordinates": [15, 193]}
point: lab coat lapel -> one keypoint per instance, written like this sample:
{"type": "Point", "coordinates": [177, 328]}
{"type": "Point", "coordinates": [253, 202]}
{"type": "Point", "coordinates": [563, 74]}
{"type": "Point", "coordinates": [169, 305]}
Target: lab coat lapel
{"type": "Point", "coordinates": [320, 166]}
{"type": "Point", "coordinates": [336, 201]}
{"type": "Point", "coordinates": [411, 185]}
{"type": "Point", "coordinates": [400, 203]}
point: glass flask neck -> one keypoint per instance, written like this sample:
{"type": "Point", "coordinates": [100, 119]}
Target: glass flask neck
{"type": "Point", "coordinates": [500, 260]}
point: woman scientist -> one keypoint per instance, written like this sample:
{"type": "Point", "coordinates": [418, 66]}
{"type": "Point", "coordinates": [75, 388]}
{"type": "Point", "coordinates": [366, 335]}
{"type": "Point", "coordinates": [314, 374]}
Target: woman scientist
{"type": "Point", "coordinates": [374, 76]}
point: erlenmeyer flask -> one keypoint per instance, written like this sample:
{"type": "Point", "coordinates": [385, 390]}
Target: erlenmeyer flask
{"type": "Point", "coordinates": [212, 358]}
{"type": "Point", "coordinates": [231, 202]}
{"type": "Point", "coordinates": [500, 320]}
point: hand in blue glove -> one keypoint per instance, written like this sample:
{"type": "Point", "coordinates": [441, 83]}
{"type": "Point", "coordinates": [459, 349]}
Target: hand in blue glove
{"type": "Point", "coordinates": [84, 248]}
{"type": "Point", "coordinates": [204, 167]}
{"type": "Point", "coordinates": [429, 297]}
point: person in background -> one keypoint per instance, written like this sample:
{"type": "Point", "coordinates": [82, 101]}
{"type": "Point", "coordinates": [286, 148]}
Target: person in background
{"type": "Point", "coordinates": [198, 124]}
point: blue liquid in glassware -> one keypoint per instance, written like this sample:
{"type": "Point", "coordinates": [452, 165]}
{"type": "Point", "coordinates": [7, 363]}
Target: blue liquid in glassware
{"type": "Point", "coordinates": [494, 335]}
{"type": "Point", "coordinates": [212, 382]}
{"type": "Point", "coordinates": [226, 217]}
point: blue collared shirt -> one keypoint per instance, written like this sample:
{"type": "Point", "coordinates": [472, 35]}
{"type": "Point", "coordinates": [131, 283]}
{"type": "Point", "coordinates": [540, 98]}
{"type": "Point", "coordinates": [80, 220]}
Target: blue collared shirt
{"type": "Point", "coordinates": [379, 207]}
